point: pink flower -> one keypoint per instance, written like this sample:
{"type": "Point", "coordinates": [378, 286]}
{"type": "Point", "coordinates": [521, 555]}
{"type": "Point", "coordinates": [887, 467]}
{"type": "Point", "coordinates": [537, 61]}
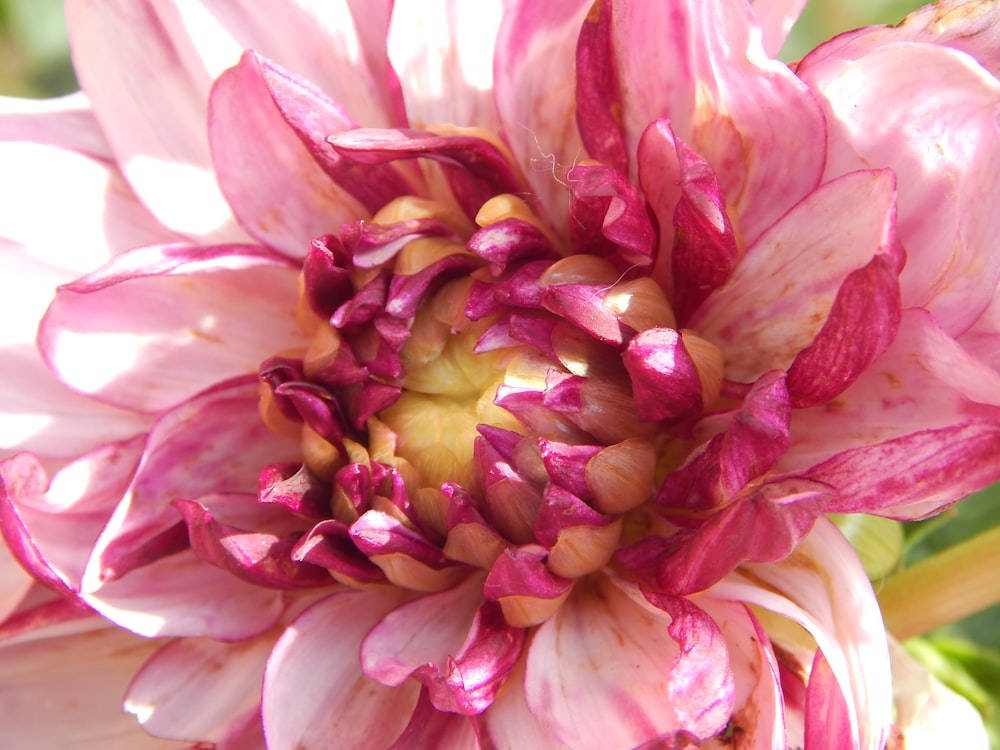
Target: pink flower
{"type": "Point", "coordinates": [486, 433]}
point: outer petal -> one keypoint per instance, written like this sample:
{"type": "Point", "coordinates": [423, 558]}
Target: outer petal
{"type": "Point", "coordinates": [52, 527]}
{"type": "Point", "coordinates": [929, 113]}
{"type": "Point", "coordinates": [147, 68]}
{"type": "Point", "coordinates": [823, 587]}
{"type": "Point", "coordinates": [967, 25]}
{"type": "Point", "coordinates": [926, 366]}
{"type": "Point", "coordinates": [99, 216]}
{"type": "Point", "coordinates": [159, 324]}
{"type": "Point", "coordinates": [601, 672]}
{"type": "Point", "coordinates": [66, 692]}
{"type": "Point", "coordinates": [276, 188]}
{"type": "Point", "coordinates": [67, 122]}
{"type": "Point", "coordinates": [535, 95]}
{"type": "Point", "coordinates": [443, 55]}
{"type": "Point", "coordinates": [701, 65]}
{"type": "Point", "coordinates": [315, 694]}
{"type": "Point", "coordinates": [37, 412]}
{"type": "Point", "coordinates": [782, 291]}
{"type": "Point", "coordinates": [193, 689]}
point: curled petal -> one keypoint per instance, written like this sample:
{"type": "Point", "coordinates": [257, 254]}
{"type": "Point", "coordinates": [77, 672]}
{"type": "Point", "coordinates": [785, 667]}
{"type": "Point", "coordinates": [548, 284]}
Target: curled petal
{"type": "Point", "coordinates": [259, 557]}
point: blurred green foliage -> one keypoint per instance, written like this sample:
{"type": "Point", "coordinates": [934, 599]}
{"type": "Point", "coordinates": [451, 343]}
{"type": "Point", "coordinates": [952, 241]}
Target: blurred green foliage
{"type": "Point", "coordinates": [34, 57]}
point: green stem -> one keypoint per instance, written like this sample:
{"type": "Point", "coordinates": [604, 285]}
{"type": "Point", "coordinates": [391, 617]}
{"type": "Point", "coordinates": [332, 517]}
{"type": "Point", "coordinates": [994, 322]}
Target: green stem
{"type": "Point", "coordinates": [939, 590]}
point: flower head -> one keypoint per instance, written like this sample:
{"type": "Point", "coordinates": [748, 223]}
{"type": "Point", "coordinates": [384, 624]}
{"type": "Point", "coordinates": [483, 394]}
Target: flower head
{"type": "Point", "coordinates": [468, 380]}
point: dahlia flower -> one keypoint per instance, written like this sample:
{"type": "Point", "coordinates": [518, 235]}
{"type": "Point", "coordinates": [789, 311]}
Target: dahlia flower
{"type": "Point", "coordinates": [453, 375]}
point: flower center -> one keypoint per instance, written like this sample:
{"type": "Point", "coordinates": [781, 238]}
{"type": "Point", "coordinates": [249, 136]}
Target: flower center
{"type": "Point", "coordinates": [475, 396]}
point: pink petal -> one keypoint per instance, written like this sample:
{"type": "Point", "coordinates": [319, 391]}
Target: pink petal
{"type": "Point", "coordinates": [151, 107]}
{"type": "Point", "coordinates": [66, 692]}
{"type": "Point", "coordinates": [754, 437]}
{"type": "Point", "coordinates": [460, 648]}
{"type": "Point", "coordinates": [430, 728]}
{"type": "Point", "coordinates": [424, 631]}
{"type": "Point", "coordinates": [781, 292]}
{"type": "Point", "coordinates": [664, 376]}
{"type": "Point", "coordinates": [278, 191]}
{"type": "Point", "coordinates": [704, 250]}
{"type": "Point", "coordinates": [863, 321]}
{"type": "Point", "coordinates": [99, 215]}
{"type": "Point", "coordinates": [148, 69]}
{"type": "Point", "coordinates": [828, 720]}
{"type": "Point", "coordinates": [66, 121]}
{"type": "Point", "coordinates": [763, 526]}
{"type": "Point", "coordinates": [536, 46]}
{"type": "Point", "coordinates": [52, 527]}
{"type": "Point", "coordinates": [606, 671]}
{"type": "Point", "coordinates": [260, 553]}
{"type": "Point", "coordinates": [167, 598]}
{"type": "Point", "coordinates": [839, 611]}
{"type": "Point", "coordinates": [758, 705]}
{"type": "Point", "coordinates": [509, 722]}
{"type": "Point", "coordinates": [701, 65]}
{"type": "Point", "coordinates": [14, 582]}
{"type": "Point", "coordinates": [164, 322]}
{"type": "Point", "coordinates": [598, 92]}
{"type": "Point", "coordinates": [194, 689]}
{"type": "Point", "coordinates": [443, 55]}
{"type": "Point", "coordinates": [923, 364]}
{"type": "Point", "coordinates": [213, 443]}
{"type": "Point", "coordinates": [314, 689]}
{"type": "Point", "coordinates": [929, 113]}
{"type": "Point", "coordinates": [916, 475]}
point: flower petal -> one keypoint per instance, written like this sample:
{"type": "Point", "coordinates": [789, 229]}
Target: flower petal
{"type": "Point", "coordinates": [701, 65]}
{"type": "Point", "coordinates": [536, 43]}
{"type": "Point", "coordinates": [954, 390]}
{"type": "Point", "coordinates": [823, 587]}
{"type": "Point", "coordinates": [66, 121]}
{"type": "Point", "coordinates": [278, 191]}
{"type": "Point", "coordinates": [193, 689]}
{"type": "Point", "coordinates": [443, 55]}
{"type": "Point", "coordinates": [66, 692]}
{"type": "Point", "coordinates": [930, 114]}
{"type": "Point", "coordinates": [781, 292]}
{"type": "Point", "coordinates": [314, 689]}
{"type": "Point", "coordinates": [165, 322]}
{"type": "Point", "coordinates": [607, 671]}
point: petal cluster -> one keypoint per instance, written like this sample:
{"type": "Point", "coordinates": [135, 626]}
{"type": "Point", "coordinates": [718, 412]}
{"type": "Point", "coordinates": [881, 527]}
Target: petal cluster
{"type": "Point", "coordinates": [481, 383]}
